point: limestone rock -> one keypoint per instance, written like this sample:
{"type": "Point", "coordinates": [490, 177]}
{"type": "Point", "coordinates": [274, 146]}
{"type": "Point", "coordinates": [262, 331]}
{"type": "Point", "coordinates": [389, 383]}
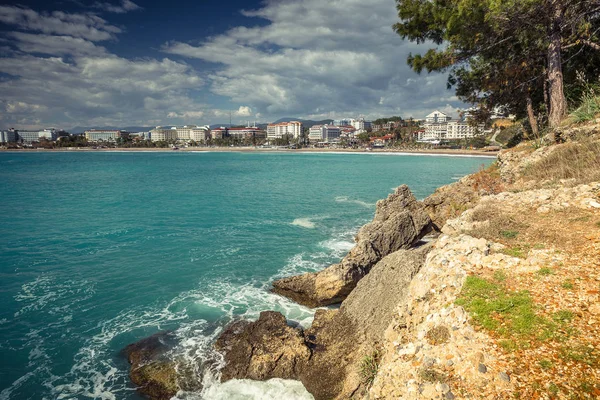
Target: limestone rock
{"type": "Point", "coordinates": [153, 373]}
{"type": "Point", "coordinates": [450, 201]}
{"type": "Point", "coordinates": [267, 348]}
{"type": "Point", "coordinates": [399, 223]}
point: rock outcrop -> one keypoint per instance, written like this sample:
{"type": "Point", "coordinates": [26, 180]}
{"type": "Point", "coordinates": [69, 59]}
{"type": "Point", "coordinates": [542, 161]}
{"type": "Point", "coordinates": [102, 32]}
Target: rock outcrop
{"type": "Point", "coordinates": [151, 371]}
{"type": "Point", "coordinates": [450, 201]}
{"type": "Point", "coordinates": [399, 223]}
{"type": "Point", "coordinates": [326, 357]}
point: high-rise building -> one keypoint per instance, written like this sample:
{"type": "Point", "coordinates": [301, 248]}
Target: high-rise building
{"type": "Point", "coordinates": [292, 129]}
{"type": "Point", "coordinates": [9, 136]}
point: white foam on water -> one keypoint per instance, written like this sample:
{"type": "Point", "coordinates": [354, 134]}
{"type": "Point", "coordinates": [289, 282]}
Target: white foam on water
{"type": "Point", "coordinates": [304, 223]}
{"type": "Point", "coordinates": [346, 199]}
{"type": "Point", "coordinates": [244, 389]}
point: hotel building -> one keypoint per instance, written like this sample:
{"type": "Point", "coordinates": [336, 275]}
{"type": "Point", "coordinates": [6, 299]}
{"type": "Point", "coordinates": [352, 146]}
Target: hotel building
{"type": "Point", "coordinates": [292, 129]}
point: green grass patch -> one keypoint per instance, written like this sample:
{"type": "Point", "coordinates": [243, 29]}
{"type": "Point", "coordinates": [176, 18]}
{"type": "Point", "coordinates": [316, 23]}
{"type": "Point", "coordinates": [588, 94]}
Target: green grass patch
{"type": "Point", "coordinates": [369, 365]}
{"type": "Point", "coordinates": [539, 246]}
{"type": "Point", "coordinates": [516, 251]}
{"type": "Point", "coordinates": [509, 234]}
{"type": "Point", "coordinates": [567, 285]}
{"type": "Point", "coordinates": [589, 107]}
{"type": "Point", "coordinates": [510, 314]}
{"type": "Point", "coordinates": [546, 364]}
{"type": "Point", "coordinates": [545, 271]}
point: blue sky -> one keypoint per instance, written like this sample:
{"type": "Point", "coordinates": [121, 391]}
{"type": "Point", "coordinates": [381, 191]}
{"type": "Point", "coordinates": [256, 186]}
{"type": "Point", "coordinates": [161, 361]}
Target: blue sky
{"type": "Point", "coordinates": [121, 62]}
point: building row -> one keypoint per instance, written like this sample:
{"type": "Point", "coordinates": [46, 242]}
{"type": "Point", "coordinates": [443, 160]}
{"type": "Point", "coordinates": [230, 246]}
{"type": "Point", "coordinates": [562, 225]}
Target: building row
{"type": "Point", "coordinates": [27, 137]}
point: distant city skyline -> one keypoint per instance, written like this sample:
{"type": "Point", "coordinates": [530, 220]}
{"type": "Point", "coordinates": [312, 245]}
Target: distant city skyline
{"type": "Point", "coordinates": [122, 63]}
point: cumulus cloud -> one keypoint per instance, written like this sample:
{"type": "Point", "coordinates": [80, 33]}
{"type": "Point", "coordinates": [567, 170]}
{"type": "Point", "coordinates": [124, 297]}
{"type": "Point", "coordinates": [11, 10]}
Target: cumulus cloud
{"type": "Point", "coordinates": [319, 59]}
{"type": "Point", "coordinates": [86, 26]}
{"type": "Point", "coordinates": [124, 7]}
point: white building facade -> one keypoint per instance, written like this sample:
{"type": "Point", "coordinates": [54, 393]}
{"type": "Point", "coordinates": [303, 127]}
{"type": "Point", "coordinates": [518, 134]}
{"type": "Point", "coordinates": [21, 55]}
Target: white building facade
{"type": "Point", "coordinates": [361, 125]}
{"type": "Point", "coordinates": [102, 135]}
{"type": "Point", "coordinates": [462, 130]}
{"type": "Point", "coordinates": [324, 133]}
{"type": "Point", "coordinates": [437, 117]}
{"type": "Point", "coordinates": [160, 134]}
{"type": "Point", "coordinates": [292, 129]}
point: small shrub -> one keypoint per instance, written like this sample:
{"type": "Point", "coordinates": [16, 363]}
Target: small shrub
{"type": "Point", "coordinates": [369, 366]}
{"type": "Point", "coordinates": [589, 107]}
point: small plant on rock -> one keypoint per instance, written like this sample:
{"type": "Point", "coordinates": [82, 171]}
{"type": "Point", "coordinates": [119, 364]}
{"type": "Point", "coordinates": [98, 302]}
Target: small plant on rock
{"type": "Point", "coordinates": [369, 366]}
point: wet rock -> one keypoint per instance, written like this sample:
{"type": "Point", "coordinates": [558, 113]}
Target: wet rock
{"type": "Point", "coordinates": [151, 371]}
{"type": "Point", "coordinates": [399, 223]}
{"type": "Point", "coordinates": [267, 348]}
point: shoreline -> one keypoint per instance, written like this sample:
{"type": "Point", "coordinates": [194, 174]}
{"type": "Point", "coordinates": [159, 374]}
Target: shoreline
{"type": "Point", "coordinates": [407, 152]}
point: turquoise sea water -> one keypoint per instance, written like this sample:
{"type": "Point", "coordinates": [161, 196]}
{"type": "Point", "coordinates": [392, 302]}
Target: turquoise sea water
{"type": "Point", "coordinates": [98, 250]}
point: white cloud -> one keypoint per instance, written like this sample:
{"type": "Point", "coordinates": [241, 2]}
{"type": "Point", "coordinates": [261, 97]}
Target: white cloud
{"type": "Point", "coordinates": [86, 26]}
{"type": "Point", "coordinates": [54, 45]}
{"type": "Point", "coordinates": [319, 58]}
{"type": "Point", "coordinates": [244, 111]}
{"type": "Point", "coordinates": [124, 7]}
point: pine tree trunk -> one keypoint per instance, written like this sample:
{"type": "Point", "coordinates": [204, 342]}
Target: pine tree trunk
{"type": "Point", "coordinates": [531, 115]}
{"type": "Point", "coordinates": [558, 102]}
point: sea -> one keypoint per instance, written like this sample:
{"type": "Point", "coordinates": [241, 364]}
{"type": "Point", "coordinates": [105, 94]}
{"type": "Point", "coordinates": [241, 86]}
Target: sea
{"type": "Point", "coordinates": [101, 249]}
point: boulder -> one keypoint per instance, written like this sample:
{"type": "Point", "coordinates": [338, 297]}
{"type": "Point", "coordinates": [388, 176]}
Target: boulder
{"type": "Point", "coordinates": [400, 222]}
{"type": "Point", "coordinates": [261, 350]}
{"type": "Point", "coordinates": [151, 371]}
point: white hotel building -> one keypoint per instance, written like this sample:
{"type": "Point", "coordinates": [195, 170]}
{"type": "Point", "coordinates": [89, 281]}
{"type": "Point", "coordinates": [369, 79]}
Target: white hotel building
{"type": "Point", "coordinates": [292, 129]}
{"type": "Point", "coordinates": [324, 133]}
{"type": "Point", "coordinates": [439, 126]}
{"type": "Point", "coordinates": [102, 135]}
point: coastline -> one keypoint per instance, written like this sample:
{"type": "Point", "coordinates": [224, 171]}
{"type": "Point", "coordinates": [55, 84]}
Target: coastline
{"type": "Point", "coordinates": [429, 152]}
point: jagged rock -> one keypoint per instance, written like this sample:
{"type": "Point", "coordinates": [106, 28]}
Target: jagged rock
{"type": "Point", "coordinates": [371, 305]}
{"type": "Point", "coordinates": [267, 348]}
{"type": "Point", "coordinates": [153, 373]}
{"type": "Point", "coordinates": [450, 201]}
{"type": "Point", "coordinates": [326, 357]}
{"type": "Point", "coordinates": [399, 223]}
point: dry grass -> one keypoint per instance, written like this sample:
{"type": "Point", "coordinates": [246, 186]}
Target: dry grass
{"type": "Point", "coordinates": [573, 160]}
{"type": "Point", "coordinates": [488, 181]}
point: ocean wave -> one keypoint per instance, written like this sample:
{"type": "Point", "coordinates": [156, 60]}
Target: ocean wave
{"type": "Point", "coordinates": [346, 199]}
{"type": "Point", "coordinates": [304, 223]}
{"type": "Point", "coordinates": [244, 389]}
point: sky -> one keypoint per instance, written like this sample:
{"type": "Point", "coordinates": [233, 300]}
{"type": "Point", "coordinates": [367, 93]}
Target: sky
{"type": "Point", "coordinates": [122, 63]}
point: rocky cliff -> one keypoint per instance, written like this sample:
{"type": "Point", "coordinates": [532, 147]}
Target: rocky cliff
{"type": "Point", "coordinates": [400, 222]}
